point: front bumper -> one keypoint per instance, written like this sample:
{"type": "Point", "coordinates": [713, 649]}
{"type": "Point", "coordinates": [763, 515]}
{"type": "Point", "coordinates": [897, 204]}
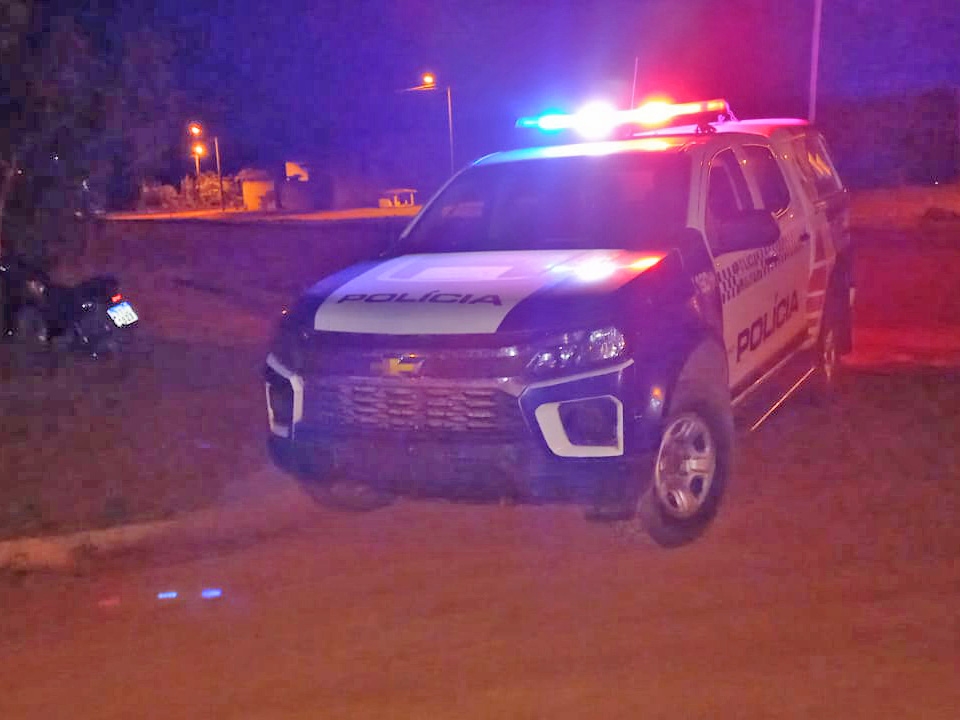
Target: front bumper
{"type": "Point", "coordinates": [547, 438]}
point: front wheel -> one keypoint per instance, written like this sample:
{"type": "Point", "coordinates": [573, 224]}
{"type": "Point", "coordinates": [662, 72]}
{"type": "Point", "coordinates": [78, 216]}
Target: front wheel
{"type": "Point", "coordinates": [690, 468]}
{"type": "Point", "coordinates": [327, 484]}
{"type": "Point", "coordinates": [32, 328]}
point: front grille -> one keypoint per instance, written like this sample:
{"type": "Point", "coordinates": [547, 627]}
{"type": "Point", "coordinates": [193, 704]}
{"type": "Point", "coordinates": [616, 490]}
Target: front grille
{"type": "Point", "coordinates": [411, 405]}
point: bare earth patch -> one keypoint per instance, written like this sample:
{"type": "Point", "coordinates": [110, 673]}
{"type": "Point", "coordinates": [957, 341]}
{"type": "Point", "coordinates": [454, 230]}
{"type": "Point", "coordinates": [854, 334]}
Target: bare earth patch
{"type": "Point", "coordinates": [82, 449]}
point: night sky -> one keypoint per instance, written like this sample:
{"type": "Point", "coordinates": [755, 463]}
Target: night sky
{"type": "Point", "coordinates": [314, 76]}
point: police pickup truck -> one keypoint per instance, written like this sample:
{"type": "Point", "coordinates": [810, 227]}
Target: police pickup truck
{"type": "Point", "coordinates": [578, 316]}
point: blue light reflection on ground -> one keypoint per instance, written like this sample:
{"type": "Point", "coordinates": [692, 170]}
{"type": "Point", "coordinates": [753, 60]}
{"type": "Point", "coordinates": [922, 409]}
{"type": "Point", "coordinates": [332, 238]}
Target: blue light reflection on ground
{"type": "Point", "coordinates": [211, 593]}
{"type": "Point", "coordinates": [167, 595]}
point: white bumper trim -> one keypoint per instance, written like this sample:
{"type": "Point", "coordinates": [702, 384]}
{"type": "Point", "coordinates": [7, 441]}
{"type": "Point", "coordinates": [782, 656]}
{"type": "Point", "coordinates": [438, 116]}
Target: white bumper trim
{"type": "Point", "coordinates": [296, 383]}
{"type": "Point", "coordinates": [548, 417]}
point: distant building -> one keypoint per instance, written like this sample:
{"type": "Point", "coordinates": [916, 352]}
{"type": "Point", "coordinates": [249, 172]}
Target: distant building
{"type": "Point", "coordinates": [305, 189]}
{"type": "Point", "coordinates": [259, 189]}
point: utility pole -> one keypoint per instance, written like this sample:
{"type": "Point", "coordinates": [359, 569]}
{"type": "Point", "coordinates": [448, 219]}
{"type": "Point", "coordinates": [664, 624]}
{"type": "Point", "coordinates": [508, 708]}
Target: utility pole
{"type": "Point", "coordinates": [216, 150]}
{"type": "Point", "coordinates": [815, 58]}
{"type": "Point", "coordinates": [453, 166]}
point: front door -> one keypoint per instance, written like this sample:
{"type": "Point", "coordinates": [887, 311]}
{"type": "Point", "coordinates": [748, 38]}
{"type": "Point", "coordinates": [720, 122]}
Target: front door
{"type": "Point", "coordinates": [761, 303]}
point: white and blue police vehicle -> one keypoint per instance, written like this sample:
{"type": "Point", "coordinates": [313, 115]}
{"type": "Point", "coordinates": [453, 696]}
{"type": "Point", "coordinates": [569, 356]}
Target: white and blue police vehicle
{"type": "Point", "coordinates": [579, 320]}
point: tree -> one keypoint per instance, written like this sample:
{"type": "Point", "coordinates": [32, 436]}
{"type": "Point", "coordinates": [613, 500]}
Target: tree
{"type": "Point", "coordinates": [145, 114]}
{"type": "Point", "coordinates": [51, 84]}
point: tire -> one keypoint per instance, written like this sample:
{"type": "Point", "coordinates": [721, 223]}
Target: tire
{"type": "Point", "coordinates": [340, 491]}
{"type": "Point", "coordinates": [828, 376]}
{"type": "Point", "coordinates": [325, 483]}
{"type": "Point", "coordinates": [691, 465]}
{"type": "Point", "coordinates": [32, 328]}
{"type": "Point", "coordinates": [35, 350]}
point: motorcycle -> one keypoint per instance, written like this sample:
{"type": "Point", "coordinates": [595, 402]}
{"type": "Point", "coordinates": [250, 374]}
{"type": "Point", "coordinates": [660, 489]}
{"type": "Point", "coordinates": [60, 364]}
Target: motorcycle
{"type": "Point", "coordinates": [91, 317]}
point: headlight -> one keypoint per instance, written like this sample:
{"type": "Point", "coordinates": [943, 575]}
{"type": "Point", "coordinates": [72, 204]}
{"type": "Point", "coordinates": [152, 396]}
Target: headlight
{"type": "Point", "coordinates": [579, 349]}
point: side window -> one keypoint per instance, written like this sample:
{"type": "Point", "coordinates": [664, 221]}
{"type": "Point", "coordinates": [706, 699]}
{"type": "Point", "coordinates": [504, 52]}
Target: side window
{"type": "Point", "coordinates": [820, 178]}
{"type": "Point", "coordinates": [825, 176]}
{"type": "Point", "coordinates": [773, 187]}
{"type": "Point", "coordinates": [727, 189]}
{"type": "Point", "coordinates": [727, 193]}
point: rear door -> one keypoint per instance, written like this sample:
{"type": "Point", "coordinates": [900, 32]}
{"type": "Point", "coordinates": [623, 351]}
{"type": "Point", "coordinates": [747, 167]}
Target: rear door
{"type": "Point", "coordinates": [816, 180]}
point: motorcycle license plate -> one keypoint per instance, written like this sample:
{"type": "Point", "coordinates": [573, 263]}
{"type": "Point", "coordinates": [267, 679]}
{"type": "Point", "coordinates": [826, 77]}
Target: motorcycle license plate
{"type": "Point", "coordinates": [122, 314]}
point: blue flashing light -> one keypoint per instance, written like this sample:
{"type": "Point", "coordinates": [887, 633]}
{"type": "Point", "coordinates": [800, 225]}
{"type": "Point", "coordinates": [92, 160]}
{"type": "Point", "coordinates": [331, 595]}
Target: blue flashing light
{"type": "Point", "coordinates": [547, 122]}
{"type": "Point", "coordinates": [211, 593]}
{"type": "Point", "coordinates": [552, 122]}
{"type": "Point", "coordinates": [167, 595]}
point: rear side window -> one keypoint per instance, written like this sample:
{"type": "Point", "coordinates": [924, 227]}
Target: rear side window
{"type": "Point", "coordinates": [816, 166]}
{"type": "Point", "coordinates": [773, 187]}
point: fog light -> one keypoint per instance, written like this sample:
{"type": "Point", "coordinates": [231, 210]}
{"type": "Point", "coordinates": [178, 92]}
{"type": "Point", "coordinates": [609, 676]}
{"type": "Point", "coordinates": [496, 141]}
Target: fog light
{"type": "Point", "coordinates": [590, 422]}
{"type": "Point", "coordinates": [280, 396]}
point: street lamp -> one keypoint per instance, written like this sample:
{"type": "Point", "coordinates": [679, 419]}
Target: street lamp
{"type": "Point", "coordinates": [428, 81]}
{"type": "Point", "coordinates": [199, 150]}
{"type": "Point", "coordinates": [195, 131]}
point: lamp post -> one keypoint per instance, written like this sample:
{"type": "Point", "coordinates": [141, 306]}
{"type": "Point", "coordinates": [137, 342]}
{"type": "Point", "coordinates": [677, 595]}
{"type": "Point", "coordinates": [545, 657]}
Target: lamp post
{"type": "Point", "coordinates": [198, 151]}
{"type": "Point", "coordinates": [428, 82]}
{"type": "Point", "coordinates": [195, 130]}
{"type": "Point", "coordinates": [815, 58]}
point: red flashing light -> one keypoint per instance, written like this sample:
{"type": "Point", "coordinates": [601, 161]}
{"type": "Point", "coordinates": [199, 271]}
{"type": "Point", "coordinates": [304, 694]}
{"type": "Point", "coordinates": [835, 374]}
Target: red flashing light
{"type": "Point", "coordinates": [657, 112]}
{"type": "Point", "coordinates": [116, 298]}
{"type": "Point", "coordinates": [599, 119]}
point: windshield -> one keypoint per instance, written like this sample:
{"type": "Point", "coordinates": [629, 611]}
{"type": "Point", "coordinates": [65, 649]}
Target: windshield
{"type": "Point", "coordinates": [626, 201]}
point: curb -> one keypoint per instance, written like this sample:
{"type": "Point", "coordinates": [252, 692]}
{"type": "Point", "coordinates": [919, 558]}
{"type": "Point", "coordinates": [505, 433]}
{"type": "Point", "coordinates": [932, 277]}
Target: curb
{"type": "Point", "coordinates": [252, 513]}
{"type": "Point", "coordinates": [61, 552]}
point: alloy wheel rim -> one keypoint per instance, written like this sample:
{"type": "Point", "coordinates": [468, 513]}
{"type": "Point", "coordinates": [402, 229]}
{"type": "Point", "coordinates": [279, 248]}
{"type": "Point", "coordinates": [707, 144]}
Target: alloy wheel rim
{"type": "Point", "coordinates": [686, 466]}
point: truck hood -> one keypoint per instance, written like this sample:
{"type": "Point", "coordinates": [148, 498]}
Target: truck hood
{"type": "Point", "coordinates": [469, 293]}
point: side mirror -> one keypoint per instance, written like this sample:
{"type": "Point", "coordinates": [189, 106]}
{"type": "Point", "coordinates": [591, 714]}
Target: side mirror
{"type": "Point", "coordinates": [749, 230]}
{"type": "Point", "coordinates": [693, 250]}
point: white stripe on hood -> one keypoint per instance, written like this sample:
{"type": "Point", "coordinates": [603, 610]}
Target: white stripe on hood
{"type": "Point", "coordinates": [460, 293]}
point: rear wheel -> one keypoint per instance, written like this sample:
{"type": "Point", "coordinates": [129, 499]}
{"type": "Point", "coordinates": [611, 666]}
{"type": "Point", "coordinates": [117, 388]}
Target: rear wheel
{"type": "Point", "coordinates": [828, 375]}
{"type": "Point", "coordinates": [33, 342]}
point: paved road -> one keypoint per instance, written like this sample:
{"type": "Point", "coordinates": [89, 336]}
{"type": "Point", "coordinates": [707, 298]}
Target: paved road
{"type": "Point", "coordinates": [827, 588]}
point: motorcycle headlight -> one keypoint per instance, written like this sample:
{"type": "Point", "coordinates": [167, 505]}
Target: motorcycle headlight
{"type": "Point", "coordinates": [35, 288]}
{"type": "Point", "coordinates": [581, 349]}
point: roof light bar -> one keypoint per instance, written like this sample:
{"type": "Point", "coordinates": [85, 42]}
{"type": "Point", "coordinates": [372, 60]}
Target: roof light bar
{"type": "Point", "coordinates": [598, 120]}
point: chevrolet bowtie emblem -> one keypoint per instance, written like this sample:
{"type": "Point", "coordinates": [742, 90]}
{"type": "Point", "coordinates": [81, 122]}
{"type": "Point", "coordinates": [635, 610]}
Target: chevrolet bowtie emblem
{"type": "Point", "coordinates": [395, 366]}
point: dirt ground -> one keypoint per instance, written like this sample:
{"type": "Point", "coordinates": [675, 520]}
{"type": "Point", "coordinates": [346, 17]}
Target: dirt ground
{"type": "Point", "coordinates": [83, 448]}
{"type": "Point", "coordinates": [827, 587]}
